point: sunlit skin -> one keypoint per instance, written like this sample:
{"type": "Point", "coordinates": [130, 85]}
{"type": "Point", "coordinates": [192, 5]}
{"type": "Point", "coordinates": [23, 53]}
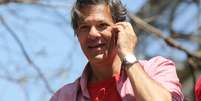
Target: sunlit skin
{"type": "Point", "coordinates": [97, 35]}
{"type": "Point", "coordinates": [105, 43]}
{"type": "Point", "coordinates": [93, 33]}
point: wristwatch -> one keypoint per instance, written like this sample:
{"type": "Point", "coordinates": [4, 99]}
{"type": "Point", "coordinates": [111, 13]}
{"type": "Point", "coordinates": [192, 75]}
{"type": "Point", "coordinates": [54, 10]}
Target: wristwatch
{"type": "Point", "coordinates": [129, 59]}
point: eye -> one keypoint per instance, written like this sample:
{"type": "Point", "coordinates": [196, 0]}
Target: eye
{"type": "Point", "coordinates": [102, 26]}
{"type": "Point", "coordinates": [83, 28]}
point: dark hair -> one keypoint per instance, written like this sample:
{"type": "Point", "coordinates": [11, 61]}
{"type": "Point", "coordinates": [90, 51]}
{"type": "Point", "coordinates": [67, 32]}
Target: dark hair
{"type": "Point", "coordinates": [117, 9]}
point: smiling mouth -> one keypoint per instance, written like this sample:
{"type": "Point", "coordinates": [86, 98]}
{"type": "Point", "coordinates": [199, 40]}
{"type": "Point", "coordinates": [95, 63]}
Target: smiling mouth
{"type": "Point", "coordinates": [96, 46]}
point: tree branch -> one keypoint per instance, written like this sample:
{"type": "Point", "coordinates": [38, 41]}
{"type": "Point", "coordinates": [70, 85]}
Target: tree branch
{"type": "Point", "coordinates": [170, 41]}
{"type": "Point", "coordinates": [172, 16]}
{"type": "Point", "coordinates": [27, 57]}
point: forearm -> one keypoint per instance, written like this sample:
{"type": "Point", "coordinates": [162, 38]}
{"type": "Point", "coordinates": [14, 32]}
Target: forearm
{"type": "Point", "coordinates": [144, 87]}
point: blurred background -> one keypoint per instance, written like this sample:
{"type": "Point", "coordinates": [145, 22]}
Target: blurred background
{"type": "Point", "coordinates": [39, 52]}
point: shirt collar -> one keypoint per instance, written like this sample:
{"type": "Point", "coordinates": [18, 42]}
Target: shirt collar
{"type": "Point", "coordinates": [84, 78]}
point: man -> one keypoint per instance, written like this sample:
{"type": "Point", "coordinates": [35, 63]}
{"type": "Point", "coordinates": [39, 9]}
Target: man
{"type": "Point", "coordinates": [113, 73]}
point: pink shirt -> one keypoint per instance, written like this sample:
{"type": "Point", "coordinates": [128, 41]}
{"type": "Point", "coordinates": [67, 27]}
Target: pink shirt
{"type": "Point", "coordinates": [158, 68]}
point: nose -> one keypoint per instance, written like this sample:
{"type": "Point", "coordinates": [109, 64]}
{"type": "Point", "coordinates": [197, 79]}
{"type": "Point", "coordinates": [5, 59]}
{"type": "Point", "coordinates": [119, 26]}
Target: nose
{"type": "Point", "coordinates": [94, 33]}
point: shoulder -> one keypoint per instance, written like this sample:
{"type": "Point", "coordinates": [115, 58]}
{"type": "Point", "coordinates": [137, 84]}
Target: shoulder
{"type": "Point", "coordinates": [157, 63]}
{"type": "Point", "coordinates": [68, 91]}
{"type": "Point", "coordinates": [163, 71]}
{"type": "Point", "coordinates": [160, 68]}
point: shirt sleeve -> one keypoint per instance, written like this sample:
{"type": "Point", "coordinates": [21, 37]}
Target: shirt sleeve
{"type": "Point", "coordinates": [66, 93]}
{"type": "Point", "coordinates": [163, 71]}
{"type": "Point", "coordinates": [55, 97]}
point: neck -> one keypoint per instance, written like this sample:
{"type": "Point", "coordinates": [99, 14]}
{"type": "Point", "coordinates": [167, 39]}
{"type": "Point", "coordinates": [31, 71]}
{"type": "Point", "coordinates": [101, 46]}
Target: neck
{"type": "Point", "coordinates": [106, 70]}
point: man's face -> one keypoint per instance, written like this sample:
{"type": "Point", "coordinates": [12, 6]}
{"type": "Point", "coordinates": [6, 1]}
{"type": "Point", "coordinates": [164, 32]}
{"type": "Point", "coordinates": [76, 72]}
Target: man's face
{"type": "Point", "coordinates": [93, 32]}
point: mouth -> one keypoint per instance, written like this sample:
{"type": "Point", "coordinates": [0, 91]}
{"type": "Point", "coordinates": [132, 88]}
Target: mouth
{"type": "Point", "coordinates": [96, 46]}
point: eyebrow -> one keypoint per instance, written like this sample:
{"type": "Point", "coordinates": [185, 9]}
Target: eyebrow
{"type": "Point", "coordinates": [97, 20]}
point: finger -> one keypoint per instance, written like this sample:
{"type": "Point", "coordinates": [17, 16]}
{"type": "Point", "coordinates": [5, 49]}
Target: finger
{"type": "Point", "coordinates": [121, 24]}
{"type": "Point", "coordinates": [116, 30]}
{"type": "Point", "coordinates": [119, 27]}
{"type": "Point", "coordinates": [124, 24]}
{"type": "Point", "coordinates": [127, 28]}
{"type": "Point", "coordinates": [113, 41]}
{"type": "Point", "coordinates": [114, 38]}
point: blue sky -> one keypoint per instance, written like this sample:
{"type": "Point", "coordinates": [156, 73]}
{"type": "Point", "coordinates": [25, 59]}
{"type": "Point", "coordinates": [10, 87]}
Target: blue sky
{"type": "Point", "coordinates": [49, 47]}
{"type": "Point", "coordinates": [40, 38]}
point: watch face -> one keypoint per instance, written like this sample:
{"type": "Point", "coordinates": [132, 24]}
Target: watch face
{"type": "Point", "coordinates": [129, 59]}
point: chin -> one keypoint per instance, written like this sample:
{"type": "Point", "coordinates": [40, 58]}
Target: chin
{"type": "Point", "coordinates": [98, 58]}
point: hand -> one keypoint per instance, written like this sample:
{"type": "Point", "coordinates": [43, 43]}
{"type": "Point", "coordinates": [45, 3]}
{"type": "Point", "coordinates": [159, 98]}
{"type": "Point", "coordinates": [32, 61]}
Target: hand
{"type": "Point", "coordinates": [125, 37]}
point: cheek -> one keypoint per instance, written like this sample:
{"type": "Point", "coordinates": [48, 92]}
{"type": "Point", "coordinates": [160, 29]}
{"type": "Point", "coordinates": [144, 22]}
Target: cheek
{"type": "Point", "coordinates": [81, 41]}
{"type": "Point", "coordinates": [107, 34]}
